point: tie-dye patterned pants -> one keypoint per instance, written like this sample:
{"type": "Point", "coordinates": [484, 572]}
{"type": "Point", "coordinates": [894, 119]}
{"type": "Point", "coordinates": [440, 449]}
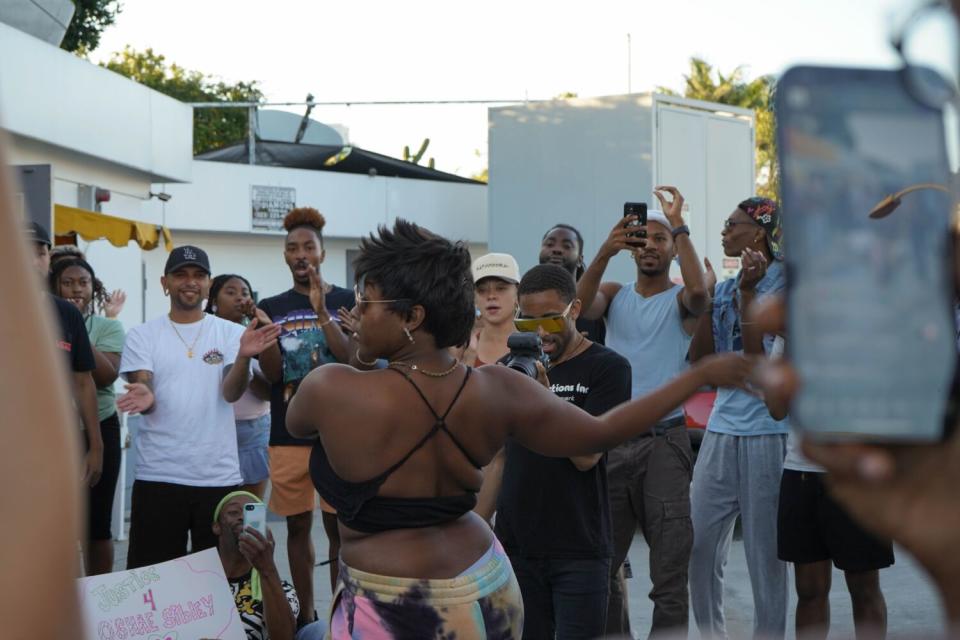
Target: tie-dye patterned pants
{"type": "Point", "coordinates": [484, 602]}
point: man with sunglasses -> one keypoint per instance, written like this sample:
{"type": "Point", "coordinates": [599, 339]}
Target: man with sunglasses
{"type": "Point", "coordinates": [553, 514]}
{"type": "Point", "coordinates": [310, 337]}
{"type": "Point", "coordinates": [650, 322]}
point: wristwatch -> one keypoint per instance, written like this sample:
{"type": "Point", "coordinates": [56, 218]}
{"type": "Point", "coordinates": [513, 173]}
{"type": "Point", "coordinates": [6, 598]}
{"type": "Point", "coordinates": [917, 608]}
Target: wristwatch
{"type": "Point", "coordinates": [681, 229]}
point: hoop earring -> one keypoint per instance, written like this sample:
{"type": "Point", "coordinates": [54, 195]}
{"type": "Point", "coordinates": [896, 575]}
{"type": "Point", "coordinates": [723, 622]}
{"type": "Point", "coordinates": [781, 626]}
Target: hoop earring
{"type": "Point", "coordinates": [409, 335]}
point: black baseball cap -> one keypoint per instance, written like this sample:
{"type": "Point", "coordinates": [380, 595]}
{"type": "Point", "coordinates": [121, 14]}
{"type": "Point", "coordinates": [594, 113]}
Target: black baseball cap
{"type": "Point", "coordinates": [36, 233]}
{"type": "Point", "coordinates": [185, 256]}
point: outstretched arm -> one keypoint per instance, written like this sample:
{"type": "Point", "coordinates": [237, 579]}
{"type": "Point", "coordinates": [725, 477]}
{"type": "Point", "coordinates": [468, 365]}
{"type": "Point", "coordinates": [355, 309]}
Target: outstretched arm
{"type": "Point", "coordinates": [573, 432]}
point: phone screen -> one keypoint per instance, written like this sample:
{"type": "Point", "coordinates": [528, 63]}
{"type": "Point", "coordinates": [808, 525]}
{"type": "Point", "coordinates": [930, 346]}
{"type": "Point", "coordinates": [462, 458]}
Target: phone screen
{"type": "Point", "coordinates": [638, 209]}
{"type": "Point", "coordinates": [255, 516]}
{"type": "Point", "coordinates": [871, 307]}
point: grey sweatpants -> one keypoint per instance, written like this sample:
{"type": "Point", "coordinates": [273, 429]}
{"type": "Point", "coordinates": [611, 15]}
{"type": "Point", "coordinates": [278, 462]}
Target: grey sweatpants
{"type": "Point", "coordinates": [738, 475]}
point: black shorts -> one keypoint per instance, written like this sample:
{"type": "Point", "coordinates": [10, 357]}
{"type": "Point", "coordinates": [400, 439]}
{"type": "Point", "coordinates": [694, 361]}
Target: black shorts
{"type": "Point", "coordinates": [812, 527]}
{"type": "Point", "coordinates": [100, 496]}
{"type": "Point", "coordinates": [163, 514]}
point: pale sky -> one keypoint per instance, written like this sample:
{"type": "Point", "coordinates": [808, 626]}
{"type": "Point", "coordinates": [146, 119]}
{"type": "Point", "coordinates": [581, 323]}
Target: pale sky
{"type": "Point", "coordinates": [450, 50]}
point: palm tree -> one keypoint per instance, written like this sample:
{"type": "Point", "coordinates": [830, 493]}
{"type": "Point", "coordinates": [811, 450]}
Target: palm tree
{"type": "Point", "coordinates": [702, 83]}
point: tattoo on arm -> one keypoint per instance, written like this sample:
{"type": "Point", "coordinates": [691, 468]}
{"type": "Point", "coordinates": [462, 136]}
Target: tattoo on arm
{"type": "Point", "coordinates": [143, 377]}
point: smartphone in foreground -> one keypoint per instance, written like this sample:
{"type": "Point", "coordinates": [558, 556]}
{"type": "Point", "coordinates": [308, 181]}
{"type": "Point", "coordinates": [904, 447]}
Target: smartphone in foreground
{"type": "Point", "coordinates": [255, 516]}
{"type": "Point", "coordinates": [638, 209]}
{"type": "Point", "coordinates": [866, 221]}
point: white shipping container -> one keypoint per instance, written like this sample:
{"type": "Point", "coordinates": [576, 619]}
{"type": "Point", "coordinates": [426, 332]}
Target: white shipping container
{"type": "Point", "coordinates": [577, 161]}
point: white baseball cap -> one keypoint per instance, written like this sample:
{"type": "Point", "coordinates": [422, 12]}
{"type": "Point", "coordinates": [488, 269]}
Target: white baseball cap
{"type": "Point", "coordinates": [496, 265]}
{"type": "Point", "coordinates": [655, 215]}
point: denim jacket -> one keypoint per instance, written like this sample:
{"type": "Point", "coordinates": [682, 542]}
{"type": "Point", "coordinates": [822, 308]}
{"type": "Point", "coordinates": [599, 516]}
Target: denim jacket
{"type": "Point", "coordinates": [737, 412]}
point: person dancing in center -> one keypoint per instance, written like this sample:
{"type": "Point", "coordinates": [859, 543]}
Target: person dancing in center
{"type": "Point", "coordinates": [399, 451]}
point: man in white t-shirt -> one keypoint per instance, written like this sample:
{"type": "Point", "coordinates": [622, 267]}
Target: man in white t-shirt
{"type": "Point", "coordinates": [184, 369]}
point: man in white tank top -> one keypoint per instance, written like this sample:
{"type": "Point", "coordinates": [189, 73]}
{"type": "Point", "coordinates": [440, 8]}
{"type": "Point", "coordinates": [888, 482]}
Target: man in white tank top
{"type": "Point", "coordinates": [650, 322]}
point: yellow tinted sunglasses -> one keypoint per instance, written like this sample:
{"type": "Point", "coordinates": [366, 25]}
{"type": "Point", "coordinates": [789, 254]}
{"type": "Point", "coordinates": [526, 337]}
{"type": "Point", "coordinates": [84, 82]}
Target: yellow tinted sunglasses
{"type": "Point", "coordinates": [550, 324]}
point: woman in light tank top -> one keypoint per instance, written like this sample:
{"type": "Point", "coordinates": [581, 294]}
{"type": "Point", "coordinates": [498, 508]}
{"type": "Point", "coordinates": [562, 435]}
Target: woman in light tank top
{"type": "Point", "coordinates": [230, 299]}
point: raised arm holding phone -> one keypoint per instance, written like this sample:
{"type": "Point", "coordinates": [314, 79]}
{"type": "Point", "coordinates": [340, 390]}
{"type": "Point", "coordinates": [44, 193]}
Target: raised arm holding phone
{"type": "Point", "coordinates": [650, 322]}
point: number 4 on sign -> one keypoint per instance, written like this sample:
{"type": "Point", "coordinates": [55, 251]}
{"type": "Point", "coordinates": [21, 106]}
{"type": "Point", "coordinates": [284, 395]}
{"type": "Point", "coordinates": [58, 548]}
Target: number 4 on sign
{"type": "Point", "coordinates": [148, 599]}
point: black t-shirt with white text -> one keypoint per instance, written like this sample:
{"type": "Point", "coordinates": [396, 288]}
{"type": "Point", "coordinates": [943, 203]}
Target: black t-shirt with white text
{"type": "Point", "coordinates": [303, 348]}
{"type": "Point", "coordinates": [72, 336]}
{"type": "Point", "coordinates": [547, 507]}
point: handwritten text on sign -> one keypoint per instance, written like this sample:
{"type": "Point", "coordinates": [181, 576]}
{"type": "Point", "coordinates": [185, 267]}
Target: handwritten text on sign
{"type": "Point", "coordinates": [184, 598]}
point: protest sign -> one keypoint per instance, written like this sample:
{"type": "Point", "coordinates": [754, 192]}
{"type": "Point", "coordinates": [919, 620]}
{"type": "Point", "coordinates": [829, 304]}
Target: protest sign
{"type": "Point", "coordinates": [183, 599]}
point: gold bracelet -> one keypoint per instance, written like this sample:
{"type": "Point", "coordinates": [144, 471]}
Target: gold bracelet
{"type": "Point", "coordinates": [364, 362]}
{"type": "Point", "coordinates": [323, 324]}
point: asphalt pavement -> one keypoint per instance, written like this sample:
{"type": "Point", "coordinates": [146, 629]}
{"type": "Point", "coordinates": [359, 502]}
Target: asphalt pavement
{"type": "Point", "coordinates": [912, 604]}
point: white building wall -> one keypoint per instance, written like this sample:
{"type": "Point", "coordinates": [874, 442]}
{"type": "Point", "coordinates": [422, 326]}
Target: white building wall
{"type": "Point", "coordinates": [568, 161]}
{"type": "Point", "coordinates": [53, 96]}
{"type": "Point", "coordinates": [218, 199]}
{"type": "Point", "coordinates": [118, 268]}
{"type": "Point", "coordinates": [577, 161]}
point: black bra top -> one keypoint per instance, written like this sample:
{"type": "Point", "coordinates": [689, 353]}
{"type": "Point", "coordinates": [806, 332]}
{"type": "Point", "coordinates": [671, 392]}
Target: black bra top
{"type": "Point", "coordinates": [357, 503]}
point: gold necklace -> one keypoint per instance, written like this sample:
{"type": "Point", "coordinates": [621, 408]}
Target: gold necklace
{"type": "Point", "coordinates": [188, 346]}
{"type": "Point", "coordinates": [432, 374]}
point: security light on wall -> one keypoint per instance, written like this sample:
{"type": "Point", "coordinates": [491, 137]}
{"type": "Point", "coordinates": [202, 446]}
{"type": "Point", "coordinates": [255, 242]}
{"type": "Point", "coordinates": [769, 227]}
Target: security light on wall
{"type": "Point", "coordinates": [162, 197]}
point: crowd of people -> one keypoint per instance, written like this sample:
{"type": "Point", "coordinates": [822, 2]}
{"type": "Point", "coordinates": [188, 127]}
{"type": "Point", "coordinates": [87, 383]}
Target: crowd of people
{"type": "Point", "coordinates": [461, 516]}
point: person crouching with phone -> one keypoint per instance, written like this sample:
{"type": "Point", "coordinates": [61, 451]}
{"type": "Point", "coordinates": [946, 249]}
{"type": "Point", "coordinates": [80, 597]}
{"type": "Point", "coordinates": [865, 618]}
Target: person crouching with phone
{"type": "Point", "coordinates": [741, 459]}
{"type": "Point", "coordinates": [268, 606]}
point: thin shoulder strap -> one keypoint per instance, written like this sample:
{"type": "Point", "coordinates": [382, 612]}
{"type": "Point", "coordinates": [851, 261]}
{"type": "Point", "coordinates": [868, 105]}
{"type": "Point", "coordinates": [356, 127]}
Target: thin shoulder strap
{"type": "Point", "coordinates": [440, 421]}
{"type": "Point", "coordinates": [455, 397]}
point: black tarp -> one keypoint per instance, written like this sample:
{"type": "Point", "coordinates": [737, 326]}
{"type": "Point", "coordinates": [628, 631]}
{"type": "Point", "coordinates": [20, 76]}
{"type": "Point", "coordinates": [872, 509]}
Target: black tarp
{"type": "Point", "coordinates": [348, 159]}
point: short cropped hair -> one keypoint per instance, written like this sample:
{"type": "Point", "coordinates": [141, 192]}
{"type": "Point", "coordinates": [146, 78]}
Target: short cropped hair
{"type": "Point", "coordinates": [549, 277]}
{"type": "Point", "coordinates": [305, 217]}
{"type": "Point", "coordinates": [576, 232]}
{"type": "Point", "coordinates": [417, 267]}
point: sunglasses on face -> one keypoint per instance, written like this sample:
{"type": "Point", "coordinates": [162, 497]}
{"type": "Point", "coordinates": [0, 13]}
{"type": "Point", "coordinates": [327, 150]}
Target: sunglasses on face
{"type": "Point", "coordinates": [550, 324]}
{"type": "Point", "coordinates": [360, 300]}
{"type": "Point", "coordinates": [729, 224]}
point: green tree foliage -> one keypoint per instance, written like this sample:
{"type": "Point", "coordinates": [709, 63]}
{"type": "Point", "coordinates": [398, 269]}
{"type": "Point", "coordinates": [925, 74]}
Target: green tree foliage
{"type": "Point", "coordinates": [702, 83]}
{"type": "Point", "coordinates": [212, 128]}
{"type": "Point", "coordinates": [90, 18]}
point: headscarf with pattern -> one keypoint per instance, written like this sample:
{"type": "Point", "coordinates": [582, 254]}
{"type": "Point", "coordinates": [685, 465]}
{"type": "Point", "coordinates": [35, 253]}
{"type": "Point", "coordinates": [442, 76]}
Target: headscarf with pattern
{"type": "Point", "coordinates": [766, 213]}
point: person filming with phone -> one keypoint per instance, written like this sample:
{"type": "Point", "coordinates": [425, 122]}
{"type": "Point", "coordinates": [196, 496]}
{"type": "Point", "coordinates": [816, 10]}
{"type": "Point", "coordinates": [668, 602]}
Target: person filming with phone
{"type": "Point", "coordinates": [267, 605]}
{"type": "Point", "coordinates": [650, 322]}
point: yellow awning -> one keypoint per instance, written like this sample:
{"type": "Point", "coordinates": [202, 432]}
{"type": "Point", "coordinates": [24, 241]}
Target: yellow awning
{"type": "Point", "coordinates": [91, 225]}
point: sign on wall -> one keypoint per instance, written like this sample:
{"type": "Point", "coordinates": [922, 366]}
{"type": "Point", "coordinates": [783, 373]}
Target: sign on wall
{"type": "Point", "coordinates": [270, 204]}
{"type": "Point", "coordinates": [183, 599]}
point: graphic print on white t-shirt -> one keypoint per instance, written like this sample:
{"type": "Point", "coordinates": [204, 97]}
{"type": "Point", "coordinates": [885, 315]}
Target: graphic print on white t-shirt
{"type": "Point", "coordinates": [190, 436]}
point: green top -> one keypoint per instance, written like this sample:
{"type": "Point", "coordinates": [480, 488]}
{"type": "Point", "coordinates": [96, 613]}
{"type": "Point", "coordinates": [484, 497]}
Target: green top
{"type": "Point", "coordinates": [106, 336]}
